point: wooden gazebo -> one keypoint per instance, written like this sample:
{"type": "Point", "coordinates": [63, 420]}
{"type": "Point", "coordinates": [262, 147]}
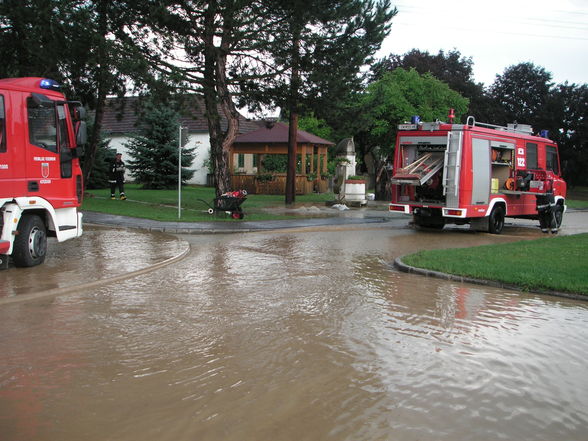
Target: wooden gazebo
{"type": "Point", "coordinates": [272, 139]}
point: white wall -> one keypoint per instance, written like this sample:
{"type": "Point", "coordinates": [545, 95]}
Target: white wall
{"type": "Point", "coordinates": [199, 140]}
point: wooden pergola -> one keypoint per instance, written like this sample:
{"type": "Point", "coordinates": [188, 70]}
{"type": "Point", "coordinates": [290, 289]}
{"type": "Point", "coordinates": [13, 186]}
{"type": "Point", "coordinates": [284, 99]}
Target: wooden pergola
{"type": "Point", "coordinates": [272, 139]}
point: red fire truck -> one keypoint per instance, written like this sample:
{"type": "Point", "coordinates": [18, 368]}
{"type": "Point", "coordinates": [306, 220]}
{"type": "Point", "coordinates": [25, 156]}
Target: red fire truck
{"type": "Point", "coordinates": [476, 173]}
{"type": "Point", "coordinates": [41, 185]}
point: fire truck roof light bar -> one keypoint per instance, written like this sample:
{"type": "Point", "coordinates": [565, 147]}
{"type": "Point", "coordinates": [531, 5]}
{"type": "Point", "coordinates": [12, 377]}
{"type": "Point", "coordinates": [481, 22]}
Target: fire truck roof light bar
{"type": "Point", "coordinates": [49, 84]}
{"type": "Point", "coordinates": [518, 128]}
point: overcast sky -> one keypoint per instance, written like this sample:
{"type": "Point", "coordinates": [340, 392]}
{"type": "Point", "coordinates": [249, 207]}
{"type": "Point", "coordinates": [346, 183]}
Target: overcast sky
{"type": "Point", "coordinates": [497, 34]}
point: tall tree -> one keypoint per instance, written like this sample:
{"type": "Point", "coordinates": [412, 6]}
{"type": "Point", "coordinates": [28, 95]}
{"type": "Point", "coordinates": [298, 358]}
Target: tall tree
{"type": "Point", "coordinates": [322, 46]}
{"type": "Point", "coordinates": [209, 46]}
{"type": "Point", "coordinates": [154, 151]}
{"type": "Point", "coordinates": [568, 126]}
{"type": "Point", "coordinates": [398, 95]}
{"type": "Point", "coordinates": [450, 67]}
{"type": "Point", "coordinates": [521, 93]}
{"type": "Point", "coordinates": [84, 44]}
{"type": "Point", "coordinates": [392, 100]}
{"type": "Point", "coordinates": [263, 52]}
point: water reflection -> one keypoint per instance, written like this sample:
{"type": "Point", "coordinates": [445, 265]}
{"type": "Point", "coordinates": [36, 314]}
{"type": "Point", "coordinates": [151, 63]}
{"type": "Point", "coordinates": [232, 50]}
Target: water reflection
{"type": "Point", "coordinates": [295, 336]}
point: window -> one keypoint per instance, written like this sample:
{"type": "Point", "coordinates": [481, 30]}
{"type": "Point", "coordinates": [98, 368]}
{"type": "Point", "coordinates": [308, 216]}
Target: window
{"type": "Point", "coordinates": [42, 126]}
{"type": "Point", "coordinates": [2, 126]}
{"type": "Point", "coordinates": [63, 134]}
{"type": "Point", "coordinates": [551, 162]}
{"type": "Point", "coordinates": [532, 156]}
{"type": "Point", "coordinates": [241, 160]}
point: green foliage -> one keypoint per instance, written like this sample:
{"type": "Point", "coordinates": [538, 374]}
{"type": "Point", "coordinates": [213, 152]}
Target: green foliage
{"type": "Point", "coordinates": [521, 93]}
{"type": "Point", "coordinates": [316, 126]}
{"type": "Point", "coordinates": [155, 150]}
{"type": "Point", "coordinates": [451, 68]}
{"type": "Point", "coordinates": [565, 269]}
{"type": "Point", "coordinates": [398, 95]}
{"type": "Point", "coordinates": [265, 177]}
{"type": "Point", "coordinates": [275, 163]}
{"type": "Point", "coordinates": [100, 171]}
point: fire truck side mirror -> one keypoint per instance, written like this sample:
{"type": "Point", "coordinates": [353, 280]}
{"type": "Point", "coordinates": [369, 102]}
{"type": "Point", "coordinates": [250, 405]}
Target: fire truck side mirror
{"type": "Point", "coordinates": [41, 100]}
{"type": "Point", "coordinates": [81, 133]}
{"type": "Point", "coordinates": [79, 113]}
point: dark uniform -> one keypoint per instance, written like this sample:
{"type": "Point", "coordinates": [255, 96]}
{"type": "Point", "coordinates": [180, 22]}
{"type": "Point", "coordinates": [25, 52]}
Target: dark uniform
{"type": "Point", "coordinates": [117, 177]}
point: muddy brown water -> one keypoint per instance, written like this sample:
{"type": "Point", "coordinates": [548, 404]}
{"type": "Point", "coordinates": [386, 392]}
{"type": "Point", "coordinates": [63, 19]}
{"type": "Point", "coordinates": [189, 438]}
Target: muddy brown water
{"type": "Point", "coordinates": [292, 335]}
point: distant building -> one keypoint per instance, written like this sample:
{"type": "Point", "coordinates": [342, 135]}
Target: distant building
{"type": "Point", "coordinates": [121, 121]}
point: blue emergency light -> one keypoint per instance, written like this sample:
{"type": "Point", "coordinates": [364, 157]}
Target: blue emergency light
{"type": "Point", "coordinates": [48, 84]}
{"type": "Point", "coordinates": [415, 119]}
{"type": "Point", "coordinates": [544, 133]}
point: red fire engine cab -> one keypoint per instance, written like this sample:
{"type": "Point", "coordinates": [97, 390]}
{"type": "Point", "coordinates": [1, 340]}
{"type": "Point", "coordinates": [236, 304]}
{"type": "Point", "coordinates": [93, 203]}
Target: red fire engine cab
{"type": "Point", "coordinates": [41, 185]}
{"type": "Point", "coordinates": [476, 173]}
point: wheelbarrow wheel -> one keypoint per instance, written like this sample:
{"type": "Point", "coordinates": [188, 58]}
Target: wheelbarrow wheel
{"type": "Point", "coordinates": [210, 211]}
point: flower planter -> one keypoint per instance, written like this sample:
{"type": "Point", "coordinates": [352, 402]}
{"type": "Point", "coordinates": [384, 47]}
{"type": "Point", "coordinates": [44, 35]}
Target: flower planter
{"type": "Point", "coordinates": [355, 192]}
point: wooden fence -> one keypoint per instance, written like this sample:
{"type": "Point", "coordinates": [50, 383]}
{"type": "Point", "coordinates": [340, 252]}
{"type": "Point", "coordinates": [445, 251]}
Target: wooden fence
{"type": "Point", "coordinates": [278, 185]}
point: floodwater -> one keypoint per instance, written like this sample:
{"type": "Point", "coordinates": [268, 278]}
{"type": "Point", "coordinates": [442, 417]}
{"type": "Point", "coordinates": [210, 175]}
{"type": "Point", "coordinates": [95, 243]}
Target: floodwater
{"type": "Point", "coordinates": [294, 335]}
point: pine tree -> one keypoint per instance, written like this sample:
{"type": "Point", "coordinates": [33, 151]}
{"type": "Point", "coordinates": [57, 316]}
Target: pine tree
{"type": "Point", "coordinates": [154, 150]}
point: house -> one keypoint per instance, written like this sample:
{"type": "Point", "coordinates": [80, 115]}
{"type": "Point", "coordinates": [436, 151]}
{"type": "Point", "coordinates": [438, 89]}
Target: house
{"type": "Point", "coordinates": [121, 121]}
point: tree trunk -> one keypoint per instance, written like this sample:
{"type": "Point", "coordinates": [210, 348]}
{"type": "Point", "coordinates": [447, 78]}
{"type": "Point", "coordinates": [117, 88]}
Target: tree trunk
{"type": "Point", "coordinates": [292, 154]}
{"type": "Point", "coordinates": [293, 128]}
{"type": "Point", "coordinates": [216, 93]}
{"type": "Point", "coordinates": [103, 89]}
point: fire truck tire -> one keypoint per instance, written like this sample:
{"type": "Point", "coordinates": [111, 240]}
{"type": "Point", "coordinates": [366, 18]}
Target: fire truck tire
{"type": "Point", "coordinates": [496, 220]}
{"type": "Point", "coordinates": [30, 245]}
{"type": "Point", "coordinates": [435, 223]}
{"type": "Point", "coordinates": [558, 212]}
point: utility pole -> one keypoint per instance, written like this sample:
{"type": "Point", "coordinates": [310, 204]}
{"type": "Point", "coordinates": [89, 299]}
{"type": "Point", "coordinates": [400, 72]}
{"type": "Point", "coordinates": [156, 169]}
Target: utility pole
{"type": "Point", "coordinates": [182, 140]}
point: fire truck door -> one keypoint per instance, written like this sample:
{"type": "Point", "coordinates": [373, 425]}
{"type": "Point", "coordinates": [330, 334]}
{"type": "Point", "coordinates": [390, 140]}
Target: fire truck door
{"type": "Point", "coordinates": [480, 171]}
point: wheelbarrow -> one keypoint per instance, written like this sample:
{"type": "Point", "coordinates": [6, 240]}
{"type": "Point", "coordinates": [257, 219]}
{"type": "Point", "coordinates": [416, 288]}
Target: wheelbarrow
{"type": "Point", "coordinates": [229, 203]}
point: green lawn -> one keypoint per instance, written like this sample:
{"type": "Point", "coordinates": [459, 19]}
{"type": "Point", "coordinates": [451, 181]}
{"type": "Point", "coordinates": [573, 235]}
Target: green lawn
{"type": "Point", "coordinates": [553, 263]}
{"type": "Point", "coordinates": [578, 198]}
{"type": "Point", "coordinates": [162, 204]}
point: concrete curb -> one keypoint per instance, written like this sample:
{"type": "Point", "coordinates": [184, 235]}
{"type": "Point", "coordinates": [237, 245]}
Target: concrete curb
{"type": "Point", "coordinates": [400, 265]}
{"type": "Point", "coordinates": [96, 283]}
{"type": "Point", "coordinates": [223, 227]}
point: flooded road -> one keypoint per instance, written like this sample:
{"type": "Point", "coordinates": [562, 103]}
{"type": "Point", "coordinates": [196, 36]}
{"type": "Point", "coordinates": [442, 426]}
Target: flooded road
{"type": "Point", "coordinates": [294, 335]}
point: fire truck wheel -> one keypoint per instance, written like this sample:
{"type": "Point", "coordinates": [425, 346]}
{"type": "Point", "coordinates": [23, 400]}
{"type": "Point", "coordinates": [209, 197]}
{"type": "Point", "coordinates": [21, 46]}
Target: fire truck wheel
{"type": "Point", "coordinates": [433, 222]}
{"type": "Point", "coordinates": [558, 211]}
{"type": "Point", "coordinates": [30, 245]}
{"type": "Point", "coordinates": [496, 220]}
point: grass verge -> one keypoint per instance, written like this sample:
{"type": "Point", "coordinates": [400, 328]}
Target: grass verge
{"type": "Point", "coordinates": [554, 263]}
{"type": "Point", "coordinates": [162, 204]}
{"type": "Point", "coordinates": [577, 198]}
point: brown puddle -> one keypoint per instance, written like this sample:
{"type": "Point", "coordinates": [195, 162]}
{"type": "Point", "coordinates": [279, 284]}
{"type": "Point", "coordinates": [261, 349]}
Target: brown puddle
{"type": "Point", "coordinates": [291, 336]}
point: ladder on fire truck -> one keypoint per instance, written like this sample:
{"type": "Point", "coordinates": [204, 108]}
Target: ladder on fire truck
{"type": "Point", "coordinates": [419, 171]}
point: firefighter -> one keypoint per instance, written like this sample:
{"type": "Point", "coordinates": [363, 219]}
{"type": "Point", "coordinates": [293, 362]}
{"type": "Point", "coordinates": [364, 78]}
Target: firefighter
{"type": "Point", "coordinates": [546, 208]}
{"type": "Point", "coordinates": [117, 177]}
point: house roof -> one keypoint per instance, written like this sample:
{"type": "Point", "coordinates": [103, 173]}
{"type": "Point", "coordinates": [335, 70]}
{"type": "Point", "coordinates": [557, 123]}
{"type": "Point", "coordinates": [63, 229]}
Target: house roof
{"type": "Point", "coordinates": [277, 133]}
{"type": "Point", "coordinates": [121, 116]}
